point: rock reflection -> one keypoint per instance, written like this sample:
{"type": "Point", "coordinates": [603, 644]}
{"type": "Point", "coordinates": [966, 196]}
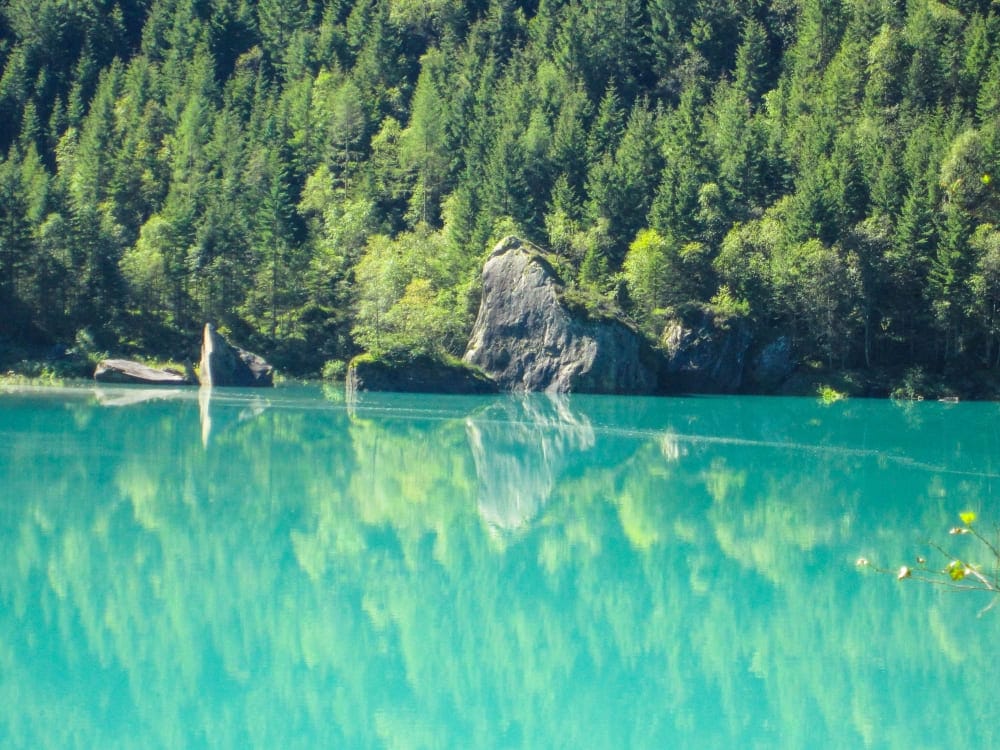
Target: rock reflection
{"type": "Point", "coordinates": [226, 412]}
{"type": "Point", "coordinates": [520, 447]}
{"type": "Point", "coordinates": [130, 396]}
{"type": "Point", "coordinates": [671, 447]}
{"type": "Point", "coordinates": [321, 581]}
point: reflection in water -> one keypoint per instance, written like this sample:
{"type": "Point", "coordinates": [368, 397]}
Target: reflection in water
{"type": "Point", "coordinates": [681, 573]}
{"type": "Point", "coordinates": [520, 445]}
{"type": "Point", "coordinates": [137, 395]}
{"type": "Point", "coordinates": [672, 448]}
{"type": "Point", "coordinates": [219, 409]}
{"type": "Point", "coordinates": [228, 411]}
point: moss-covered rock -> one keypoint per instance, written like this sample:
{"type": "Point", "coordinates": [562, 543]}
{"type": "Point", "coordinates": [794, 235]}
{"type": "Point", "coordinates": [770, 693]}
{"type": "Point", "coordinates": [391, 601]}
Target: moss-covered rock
{"type": "Point", "coordinates": [422, 374]}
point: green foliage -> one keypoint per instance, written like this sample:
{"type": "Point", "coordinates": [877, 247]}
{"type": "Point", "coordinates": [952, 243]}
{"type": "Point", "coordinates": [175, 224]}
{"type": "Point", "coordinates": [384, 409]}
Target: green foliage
{"type": "Point", "coordinates": [334, 369]}
{"type": "Point", "coordinates": [408, 301]}
{"type": "Point", "coordinates": [728, 306]}
{"type": "Point", "coordinates": [144, 266]}
{"type": "Point", "coordinates": [663, 276]}
{"type": "Point", "coordinates": [645, 272]}
{"type": "Point", "coordinates": [984, 288]}
{"type": "Point", "coordinates": [586, 300]}
{"type": "Point", "coordinates": [830, 395]}
{"type": "Point", "coordinates": [830, 166]}
{"type": "Point", "coordinates": [915, 385]}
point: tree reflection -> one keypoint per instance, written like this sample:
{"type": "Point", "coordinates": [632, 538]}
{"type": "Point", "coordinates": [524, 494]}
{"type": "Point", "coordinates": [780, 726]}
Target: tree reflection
{"type": "Point", "coordinates": [578, 572]}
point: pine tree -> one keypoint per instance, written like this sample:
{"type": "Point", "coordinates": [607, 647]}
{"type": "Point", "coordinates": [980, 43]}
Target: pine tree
{"type": "Point", "coordinates": [686, 168]}
{"type": "Point", "coordinates": [568, 133]}
{"type": "Point", "coordinates": [506, 193]}
{"type": "Point", "coordinates": [219, 258]}
{"type": "Point", "coordinates": [278, 263]}
{"type": "Point", "coordinates": [621, 186]}
{"type": "Point", "coordinates": [16, 248]}
{"type": "Point", "coordinates": [97, 237]}
{"type": "Point", "coordinates": [608, 126]}
{"type": "Point", "coordinates": [386, 182]}
{"type": "Point", "coordinates": [947, 287]}
{"type": "Point", "coordinates": [887, 60]}
{"type": "Point", "coordinates": [424, 145]}
{"type": "Point", "coordinates": [984, 290]}
{"type": "Point", "coordinates": [280, 22]}
{"type": "Point", "coordinates": [752, 73]}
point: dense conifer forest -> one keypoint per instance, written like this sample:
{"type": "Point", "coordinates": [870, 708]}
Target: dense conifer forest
{"type": "Point", "coordinates": [322, 177]}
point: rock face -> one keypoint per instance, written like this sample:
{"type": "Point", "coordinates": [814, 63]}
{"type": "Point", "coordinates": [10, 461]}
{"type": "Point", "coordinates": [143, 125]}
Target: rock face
{"type": "Point", "coordinates": [127, 371]}
{"type": "Point", "coordinates": [526, 338]}
{"type": "Point", "coordinates": [772, 365]}
{"type": "Point", "coordinates": [223, 364]}
{"type": "Point", "coordinates": [418, 375]}
{"type": "Point", "coordinates": [705, 355]}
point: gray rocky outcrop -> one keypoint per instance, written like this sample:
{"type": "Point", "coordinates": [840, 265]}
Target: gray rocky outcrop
{"type": "Point", "coordinates": [528, 339]}
{"type": "Point", "coordinates": [223, 364]}
{"type": "Point", "coordinates": [127, 371]}
{"type": "Point", "coordinates": [416, 375]}
{"type": "Point", "coordinates": [705, 353]}
{"type": "Point", "coordinates": [771, 365]}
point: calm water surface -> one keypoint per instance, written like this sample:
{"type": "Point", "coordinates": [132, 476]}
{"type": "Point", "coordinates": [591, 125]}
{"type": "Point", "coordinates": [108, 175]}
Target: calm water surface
{"type": "Point", "coordinates": [282, 569]}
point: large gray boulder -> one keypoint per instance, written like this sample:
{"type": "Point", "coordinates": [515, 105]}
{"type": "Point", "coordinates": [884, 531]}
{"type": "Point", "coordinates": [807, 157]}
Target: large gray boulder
{"type": "Point", "coordinates": [223, 364]}
{"type": "Point", "coordinates": [705, 353]}
{"type": "Point", "coordinates": [127, 371]}
{"type": "Point", "coordinates": [527, 339]}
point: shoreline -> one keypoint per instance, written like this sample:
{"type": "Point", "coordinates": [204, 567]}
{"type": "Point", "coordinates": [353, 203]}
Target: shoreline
{"type": "Point", "coordinates": [898, 384]}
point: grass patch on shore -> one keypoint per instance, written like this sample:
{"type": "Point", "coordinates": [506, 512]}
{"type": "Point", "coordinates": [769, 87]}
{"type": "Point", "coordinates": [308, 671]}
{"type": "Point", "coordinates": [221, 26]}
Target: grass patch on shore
{"type": "Point", "coordinates": [44, 377]}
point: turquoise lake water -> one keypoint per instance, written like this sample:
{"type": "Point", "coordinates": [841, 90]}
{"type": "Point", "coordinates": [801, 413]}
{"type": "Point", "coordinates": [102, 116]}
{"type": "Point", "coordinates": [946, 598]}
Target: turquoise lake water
{"type": "Point", "coordinates": [283, 569]}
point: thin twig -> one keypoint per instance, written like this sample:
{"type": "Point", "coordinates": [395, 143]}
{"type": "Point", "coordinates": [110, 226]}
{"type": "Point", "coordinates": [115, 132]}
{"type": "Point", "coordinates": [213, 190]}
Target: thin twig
{"type": "Point", "coordinates": [981, 538]}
